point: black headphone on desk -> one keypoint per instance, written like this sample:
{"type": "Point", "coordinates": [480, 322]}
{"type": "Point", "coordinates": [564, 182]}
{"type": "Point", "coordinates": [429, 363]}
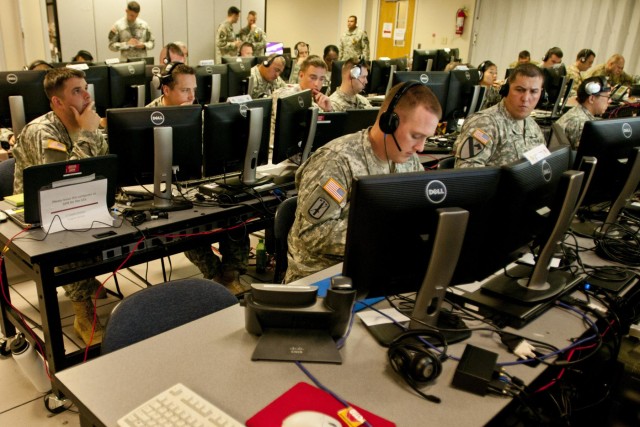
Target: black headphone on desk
{"type": "Point", "coordinates": [414, 361]}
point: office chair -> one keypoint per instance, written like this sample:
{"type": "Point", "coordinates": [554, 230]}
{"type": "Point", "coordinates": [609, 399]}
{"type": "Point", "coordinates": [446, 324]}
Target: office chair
{"type": "Point", "coordinates": [558, 138]}
{"type": "Point", "coordinates": [159, 308]}
{"type": "Point", "coordinates": [447, 162]}
{"type": "Point", "coordinates": [7, 168]}
{"type": "Point", "coordinates": [285, 215]}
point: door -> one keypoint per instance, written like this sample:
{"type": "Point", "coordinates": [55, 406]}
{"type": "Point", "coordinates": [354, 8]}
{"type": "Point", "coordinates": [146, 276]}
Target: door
{"type": "Point", "coordinates": [395, 28]}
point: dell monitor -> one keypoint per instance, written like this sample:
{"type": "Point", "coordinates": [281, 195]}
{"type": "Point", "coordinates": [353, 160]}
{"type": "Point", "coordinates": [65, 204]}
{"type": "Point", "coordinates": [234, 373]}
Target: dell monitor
{"type": "Point", "coordinates": [226, 136]}
{"type": "Point", "coordinates": [459, 95]}
{"type": "Point", "coordinates": [360, 119]}
{"type": "Point", "coordinates": [445, 56]}
{"type": "Point", "coordinates": [98, 76]}
{"type": "Point", "coordinates": [329, 126]}
{"type": "Point", "coordinates": [131, 137]}
{"type": "Point", "coordinates": [248, 61]}
{"type": "Point", "coordinates": [212, 84]}
{"type": "Point", "coordinates": [336, 75]}
{"type": "Point", "coordinates": [127, 84]}
{"type": "Point", "coordinates": [379, 76]}
{"type": "Point", "coordinates": [437, 81]}
{"type": "Point", "coordinates": [148, 60]}
{"type": "Point", "coordinates": [392, 234]}
{"type": "Point", "coordinates": [238, 75]}
{"type": "Point", "coordinates": [401, 63]}
{"type": "Point", "coordinates": [424, 60]}
{"type": "Point", "coordinates": [554, 81]}
{"type": "Point", "coordinates": [30, 86]}
{"type": "Point", "coordinates": [292, 125]}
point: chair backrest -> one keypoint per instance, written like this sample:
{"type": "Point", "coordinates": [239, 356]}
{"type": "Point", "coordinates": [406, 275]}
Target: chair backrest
{"type": "Point", "coordinates": [159, 308]}
{"type": "Point", "coordinates": [447, 162]}
{"type": "Point", "coordinates": [7, 168]}
{"type": "Point", "coordinates": [558, 138]}
{"type": "Point", "coordinates": [285, 215]}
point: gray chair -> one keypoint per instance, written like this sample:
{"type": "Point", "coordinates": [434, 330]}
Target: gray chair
{"type": "Point", "coordinates": [285, 215]}
{"type": "Point", "coordinates": [159, 308]}
{"type": "Point", "coordinates": [6, 177]}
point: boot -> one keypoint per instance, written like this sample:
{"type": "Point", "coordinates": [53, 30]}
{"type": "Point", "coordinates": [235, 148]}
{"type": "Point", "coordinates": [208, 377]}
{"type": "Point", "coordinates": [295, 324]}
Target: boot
{"type": "Point", "coordinates": [230, 279]}
{"type": "Point", "coordinates": [82, 324]}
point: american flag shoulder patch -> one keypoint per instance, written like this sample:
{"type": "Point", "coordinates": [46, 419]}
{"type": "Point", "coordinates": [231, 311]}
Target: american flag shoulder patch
{"type": "Point", "coordinates": [52, 144]}
{"type": "Point", "coordinates": [335, 190]}
{"type": "Point", "coordinates": [480, 136]}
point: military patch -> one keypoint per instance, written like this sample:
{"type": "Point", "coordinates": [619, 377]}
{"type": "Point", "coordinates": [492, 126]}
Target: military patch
{"type": "Point", "coordinates": [318, 208]}
{"type": "Point", "coordinates": [55, 145]}
{"type": "Point", "coordinates": [480, 136]}
{"type": "Point", "coordinates": [335, 190]}
{"type": "Point", "coordinates": [470, 148]}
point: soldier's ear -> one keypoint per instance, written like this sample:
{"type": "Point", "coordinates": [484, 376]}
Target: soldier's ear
{"type": "Point", "coordinates": [56, 101]}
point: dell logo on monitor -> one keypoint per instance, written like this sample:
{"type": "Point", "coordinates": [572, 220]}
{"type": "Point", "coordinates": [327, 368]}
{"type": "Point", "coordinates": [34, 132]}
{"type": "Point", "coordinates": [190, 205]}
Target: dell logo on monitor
{"type": "Point", "coordinates": [547, 174]}
{"type": "Point", "coordinates": [157, 118]}
{"type": "Point", "coordinates": [209, 70]}
{"type": "Point", "coordinates": [131, 69]}
{"type": "Point", "coordinates": [12, 78]}
{"type": "Point", "coordinates": [301, 102]}
{"type": "Point", "coordinates": [155, 70]}
{"type": "Point", "coordinates": [436, 192]}
{"type": "Point", "coordinates": [424, 79]}
{"type": "Point", "coordinates": [243, 110]}
{"type": "Point", "coordinates": [467, 75]}
{"type": "Point", "coordinates": [626, 130]}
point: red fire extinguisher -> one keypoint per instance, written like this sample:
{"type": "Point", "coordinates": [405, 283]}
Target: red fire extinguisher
{"type": "Point", "coordinates": [460, 16]}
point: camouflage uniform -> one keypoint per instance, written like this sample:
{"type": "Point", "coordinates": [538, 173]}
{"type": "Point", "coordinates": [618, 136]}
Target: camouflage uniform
{"type": "Point", "coordinates": [623, 78]}
{"type": "Point", "coordinates": [573, 121]}
{"type": "Point", "coordinates": [500, 135]}
{"type": "Point", "coordinates": [354, 44]}
{"type": "Point", "coordinates": [318, 235]}
{"type": "Point", "coordinates": [5, 134]}
{"type": "Point", "coordinates": [295, 71]}
{"type": "Point", "coordinates": [340, 101]}
{"type": "Point", "coordinates": [491, 97]}
{"type": "Point", "coordinates": [225, 40]}
{"type": "Point", "coordinates": [156, 102]}
{"type": "Point", "coordinates": [46, 140]}
{"type": "Point", "coordinates": [262, 88]}
{"type": "Point", "coordinates": [574, 73]}
{"type": "Point", "coordinates": [257, 37]}
{"type": "Point", "coordinates": [120, 34]}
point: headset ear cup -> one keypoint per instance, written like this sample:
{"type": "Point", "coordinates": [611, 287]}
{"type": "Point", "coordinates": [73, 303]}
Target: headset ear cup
{"type": "Point", "coordinates": [424, 367]}
{"type": "Point", "coordinates": [156, 82]}
{"type": "Point", "coordinates": [355, 72]}
{"type": "Point", "coordinates": [504, 90]}
{"type": "Point", "coordinates": [389, 122]}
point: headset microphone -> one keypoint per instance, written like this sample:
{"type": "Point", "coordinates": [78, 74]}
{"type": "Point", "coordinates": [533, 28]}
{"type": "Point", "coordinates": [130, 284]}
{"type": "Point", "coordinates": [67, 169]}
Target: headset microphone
{"type": "Point", "coordinates": [393, 135]}
{"type": "Point", "coordinates": [389, 120]}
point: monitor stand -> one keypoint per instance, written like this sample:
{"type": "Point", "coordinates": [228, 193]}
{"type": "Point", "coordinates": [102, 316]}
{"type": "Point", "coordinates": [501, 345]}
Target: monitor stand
{"type": "Point", "coordinates": [535, 285]}
{"type": "Point", "coordinates": [452, 225]}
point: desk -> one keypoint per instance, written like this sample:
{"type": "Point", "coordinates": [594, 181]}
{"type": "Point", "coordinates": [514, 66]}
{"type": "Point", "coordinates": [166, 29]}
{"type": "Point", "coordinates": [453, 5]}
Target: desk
{"type": "Point", "coordinates": [212, 356]}
{"type": "Point", "coordinates": [163, 237]}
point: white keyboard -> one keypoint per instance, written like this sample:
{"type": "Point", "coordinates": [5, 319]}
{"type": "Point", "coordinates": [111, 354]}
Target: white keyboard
{"type": "Point", "coordinates": [178, 406]}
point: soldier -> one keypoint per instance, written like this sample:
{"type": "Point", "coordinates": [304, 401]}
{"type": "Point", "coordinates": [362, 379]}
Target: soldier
{"type": "Point", "coordinates": [254, 34]}
{"type": "Point", "coordinates": [488, 78]}
{"type": "Point", "coordinates": [301, 52]}
{"type": "Point", "coordinates": [354, 79]}
{"type": "Point", "coordinates": [613, 70]}
{"type": "Point", "coordinates": [584, 61]}
{"type": "Point", "coordinates": [173, 52]}
{"type": "Point", "coordinates": [69, 131]}
{"type": "Point", "coordinates": [265, 77]}
{"type": "Point", "coordinates": [246, 50]}
{"type": "Point", "coordinates": [552, 57]}
{"type": "Point", "coordinates": [130, 35]}
{"type": "Point", "coordinates": [503, 133]}
{"type": "Point", "coordinates": [524, 57]}
{"type": "Point", "coordinates": [409, 115]}
{"type": "Point", "coordinates": [329, 55]}
{"type": "Point", "coordinates": [355, 42]}
{"type": "Point", "coordinates": [178, 86]}
{"type": "Point", "coordinates": [226, 42]}
{"type": "Point", "coordinates": [594, 96]}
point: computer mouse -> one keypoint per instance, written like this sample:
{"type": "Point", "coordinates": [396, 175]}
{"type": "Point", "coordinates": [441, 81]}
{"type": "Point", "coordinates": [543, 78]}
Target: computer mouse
{"type": "Point", "coordinates": [3, 216]}
{"type": "Point", "coordinates": [310, 419]}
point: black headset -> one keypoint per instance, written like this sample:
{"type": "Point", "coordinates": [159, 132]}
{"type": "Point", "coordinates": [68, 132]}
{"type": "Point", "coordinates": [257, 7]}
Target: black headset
{"type": "Point", "coordinates": [481, 69]}
{"type": "Point", "coordinates": [267, 62]}
{"type": "Point", "coordinates": [414, 361]}
{"type": "Point", "coordinates": [166, 77]}
{"type": "Point", "coordinates": [295, 50]}
{"type": "Point", "coordinates": [389, 120]}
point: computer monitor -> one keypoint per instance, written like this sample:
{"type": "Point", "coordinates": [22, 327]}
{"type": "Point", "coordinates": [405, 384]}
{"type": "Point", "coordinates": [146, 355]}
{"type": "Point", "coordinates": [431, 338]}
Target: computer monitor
{"type": "Point", "coordinates": [401, 63]}
{"type": "Point", "coordinates": [379, 74]}
{"type": "Point", "coordinates": [612, 143]}
{"type": "Point", "coordinates": [98, 76]}
{"type": "Point", "coordinates": [29, 85]}
{"type": "Point", "coordinates": [360, 119]}
{"type": "Point", "coordinates": [329, 126]}
{"type": "Point", "coordinates": [554, 81]}
{"type": "Point", "coordinates": [226, 132]}
{"type": "Point", "coordinates": [127, 84]}
{"type": "Point", "coordinates": [274, 47]}
{"type": "Point", "coordinates": [238, 79]}
{"type": "Point", "coordinates": [148, 60]}
{"type": "Point", "coordinates": [212, 84]}
{"type": "Point", "coordinates": [424, 60]}
{"type": "Point", "coordinates": [292, 125]}
{"type": "Point", "coordinates": [392, 234]}
{"type": "Point", "coordinates": [437, 81]}
{"type": "Point", "coordinates": [336, 75]}
{"type": "Point", "coordinates": [460, 95]}
{"type": "Point", "coordinates": [131, 137]}
{"type": "Point", "coordinates": [248, 61]}
{"type": "Point", "coordinates": [445, 56]}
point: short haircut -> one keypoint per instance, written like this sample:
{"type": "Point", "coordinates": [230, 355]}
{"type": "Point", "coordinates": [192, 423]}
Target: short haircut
{"type": "Point", "coordinates": [37, 63]}
{"type": "Point", "coordinates": [55, 78]}
{"type": "Point", "coordinates": [330, 48]}
{"type": "Point", "coordinates": [233, 11]}
{"type": "Point", "coordinates": [354, 17]}
{"type": "Point", "coordinates": [245, 44]}
{"type": "Point", "coordinates": [352, 62]}
{"type": "Point", "coordinates": [253, 13]}
{"type": "Point", "coordinates": [84, 54]}
{"type": "Point", "coordinates": [527, 70]}
{"type": "Point", "coordinates": [313, 61]}
{"type": "Point", "coordinates": [173, 48]}
{"type": "Point", "coordinates": [178, 70]}
{"type": "Point", "coordinates": [585, 53]}
{"type": "Point", "coordinates": [582, 94]}
{"type": "Point", "coordinates": [553, 51]}
{"type": "Point", "coordinates": [524, 54]}
{"type": "Point", "coordinates": [417, 95]}
{"type": "Point", "coordinates": [133, 6]}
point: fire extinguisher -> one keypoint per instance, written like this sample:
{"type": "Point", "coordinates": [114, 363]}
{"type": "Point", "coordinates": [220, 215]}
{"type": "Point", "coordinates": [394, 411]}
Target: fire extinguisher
{"type": "Point", "coordinates": [460, 15]}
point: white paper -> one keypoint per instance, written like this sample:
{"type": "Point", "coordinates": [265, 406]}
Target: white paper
{"type": "Point", "coordinates": [372, 317]}
{"type": "Point", "coordinates": [387, 28]}
{"type": "Point", "coordinates": [399, 34]}
{"type": "Point", "coordinates": [537, 153]}
{"type": "Point", "coordinates": [76, 207]}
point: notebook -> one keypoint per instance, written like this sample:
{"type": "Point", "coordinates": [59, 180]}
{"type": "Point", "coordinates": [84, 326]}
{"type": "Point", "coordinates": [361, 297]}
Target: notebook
{"type": "Point", "coordinates": [38, 177]}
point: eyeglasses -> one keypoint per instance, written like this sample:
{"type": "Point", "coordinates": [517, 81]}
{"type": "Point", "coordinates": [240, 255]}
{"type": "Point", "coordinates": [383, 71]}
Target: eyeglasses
{"type": "Point", "coordinates": [604, 96]}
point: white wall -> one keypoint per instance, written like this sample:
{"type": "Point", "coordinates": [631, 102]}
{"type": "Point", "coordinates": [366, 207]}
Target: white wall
{"type": "Point", "coordinates": [12, 54]}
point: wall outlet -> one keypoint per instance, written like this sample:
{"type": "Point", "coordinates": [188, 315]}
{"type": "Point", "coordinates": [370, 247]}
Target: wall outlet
{"type": "Point", "coordinates": [444, 41]}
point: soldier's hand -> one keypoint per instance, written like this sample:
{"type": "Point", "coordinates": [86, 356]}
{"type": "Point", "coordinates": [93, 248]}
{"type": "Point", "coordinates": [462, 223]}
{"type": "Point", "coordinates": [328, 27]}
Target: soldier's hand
{"type": "Point", "coordinates": [133, 42]}
{"type": "Point", "coordinates": [89, 119]}
{"type": "Point", "coordinates": [322, 100]}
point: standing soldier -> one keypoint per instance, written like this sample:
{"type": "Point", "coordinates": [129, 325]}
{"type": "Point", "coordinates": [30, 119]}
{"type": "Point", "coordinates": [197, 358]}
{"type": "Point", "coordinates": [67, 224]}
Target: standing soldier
{"type": "Point", "coordinates": [355, 42]}
{"type": "Point", "coordinates": [226, 42]}
{"type": "Point", "coordinates": [254, 34]}
{"type": "Point", "coordinates": [131, 36]}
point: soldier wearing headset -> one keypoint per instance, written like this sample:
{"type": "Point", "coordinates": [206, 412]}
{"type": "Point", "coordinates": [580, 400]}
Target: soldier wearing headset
{"type": "Point", "coordinates": [354, 79]}
{"type": "Point", "coordinates": [577, 71]}
{"type": "Point", "coordinates": [265, 77]}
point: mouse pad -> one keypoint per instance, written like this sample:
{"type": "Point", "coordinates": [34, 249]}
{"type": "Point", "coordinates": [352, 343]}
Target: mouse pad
{"type": "Point", "coordinates": [314, 402]}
